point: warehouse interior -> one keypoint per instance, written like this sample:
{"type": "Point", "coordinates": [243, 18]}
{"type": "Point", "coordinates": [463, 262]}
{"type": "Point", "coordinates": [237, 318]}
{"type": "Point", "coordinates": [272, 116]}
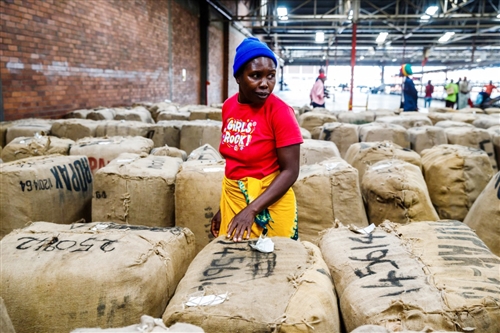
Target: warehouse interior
{"type": "Point", "coordinates": [149, 184]}
{"type": "Point", "coordinates": [56, 55]}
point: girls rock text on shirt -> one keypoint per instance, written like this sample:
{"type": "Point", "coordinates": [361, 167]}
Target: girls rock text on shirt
{"type": "Point", "coordinates": [238, 133]}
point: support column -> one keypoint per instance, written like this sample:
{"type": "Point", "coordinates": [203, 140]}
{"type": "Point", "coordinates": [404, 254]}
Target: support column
{"type": "Point", "coordinates": [204, 25]}
{"type": "Point", "coordinates": [353, 62]}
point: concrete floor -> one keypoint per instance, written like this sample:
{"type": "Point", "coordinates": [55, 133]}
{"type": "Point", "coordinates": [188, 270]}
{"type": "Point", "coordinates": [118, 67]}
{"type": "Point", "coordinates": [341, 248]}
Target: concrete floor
{"type": "Point", "coordinates": [339, 100]}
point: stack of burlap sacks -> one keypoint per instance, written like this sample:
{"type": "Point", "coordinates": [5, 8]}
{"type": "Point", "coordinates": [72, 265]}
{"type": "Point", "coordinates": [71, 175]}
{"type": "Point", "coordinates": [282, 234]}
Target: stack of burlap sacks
{"type": "Point", "coordinates": [411, 176]}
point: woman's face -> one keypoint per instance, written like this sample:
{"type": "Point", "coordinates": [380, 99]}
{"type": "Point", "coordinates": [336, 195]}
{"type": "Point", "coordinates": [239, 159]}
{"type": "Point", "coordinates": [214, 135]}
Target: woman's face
{"type": "Point", "coordinates": [257, 81]}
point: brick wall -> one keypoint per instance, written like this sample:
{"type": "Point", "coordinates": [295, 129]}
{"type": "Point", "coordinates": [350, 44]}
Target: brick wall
{"type": "Point", "coordinates": [61, 55]}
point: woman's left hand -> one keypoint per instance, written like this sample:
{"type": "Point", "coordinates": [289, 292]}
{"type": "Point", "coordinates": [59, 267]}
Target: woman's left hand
{"type": "Point", "coordinates": [242, 222]}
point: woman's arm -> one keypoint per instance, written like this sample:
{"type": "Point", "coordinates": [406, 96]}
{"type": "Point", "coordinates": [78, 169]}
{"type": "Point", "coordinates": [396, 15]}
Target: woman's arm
{"type": "Point", "coordinates": [289, 162]}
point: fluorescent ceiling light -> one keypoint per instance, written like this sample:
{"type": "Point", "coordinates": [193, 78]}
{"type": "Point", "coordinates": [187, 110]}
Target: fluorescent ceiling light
{"type": "Point", "coordinates": [431, 10]}
{"type": "Point", "coordinates": [498, 16]}
{"type": "Point", "coordinates": [478, 60]}
{"type": "Point", "coordinates": [320, 36]}
{"type": "Point", "coordinates": [425, 17]}
{"type": "Point", "coordinates": [282, 11]}
{"type": "Point", "coordinates": [381, 37]}
{"type": "Point", "coordinates": [446, 37]}
{"type": "Point", "coordinates": [349, 17]}
{"type": "Point", "coordinates": [394, 60]}
{"type": "Point", "coordinates": [361, 58]}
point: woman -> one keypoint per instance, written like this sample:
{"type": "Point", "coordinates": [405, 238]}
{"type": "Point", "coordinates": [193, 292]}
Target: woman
{"type": "Point", "coordinates": [261, 144]}
{"type": "Point", "coordinates": [317, 94]}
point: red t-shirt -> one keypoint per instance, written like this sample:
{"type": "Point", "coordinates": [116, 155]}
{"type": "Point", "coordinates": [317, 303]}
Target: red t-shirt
{"type": "Point", "coordinates": [251, 135]}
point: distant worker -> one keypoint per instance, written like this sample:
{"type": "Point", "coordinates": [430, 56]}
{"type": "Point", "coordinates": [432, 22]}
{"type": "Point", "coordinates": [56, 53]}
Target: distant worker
{"type": "Point", "coordinates": [409, 92]}
{"type": "Point", "coordinates": [317, 93]}
{"type": "Point", "coordinates": [451, 94]}
{"type": "Point", "coordinates": [429, 89]}
{"type": "Point", "coordinates": [488, 89]}
{"type": "Point", "coordinates": [463, 94]}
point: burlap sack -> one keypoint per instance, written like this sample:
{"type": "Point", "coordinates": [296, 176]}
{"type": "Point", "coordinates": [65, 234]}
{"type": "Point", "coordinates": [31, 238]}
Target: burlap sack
{"type": "Point", "coordinates": [407, 121]}
{"type": "Point", "coordinates": [124, 128]}
{"type": "Point", "coordinates": [163, 133]}
{"type": "Point", "coordinates": [436, 117]}
{"type": "Point", "coordinates": [442, 110]}
{"type": "Point", "coordinates": [100, 151]}
{"type": "Point", "coordinates": [123, 190]}
{"type": "Point", "coordinates": [156, 108]}
{"type": "Point", "coordinates": [343, 135]}
{"type": "Point", "coordinates": [148, 324]}
{"type": "Point", "coordinates": [492, 110]}
{"type": "Point", "coordinates": [495, 140]}
{"type": "Point", "coordinates": [315, 132]}
{"type": "Point", "coordinates": [169, 151]}
{"type": "Point", "coordinates": [362, 155]}
{"type": "Point", "coordinates": [78, 114]}
{"type": "Point", "coordinates": [102, 114]}
{"type": "Point", "coordinates": [484, 215]}
{"type": "Point", "coordinates": [314, 151]}
{"type": "Point", "coordinates": [4, 125]}
{"type": "Point", "coordinates": [452, 123]}
{"type": "Point", "coordinates": [172, 115]}
{"type": "Point", "coordinates": [383, 113]}
{"type": "Point", "coordinates": [287, 290]}
{"type": "Point", "coordinates": [168, 133]}
{"type": "Point", "coordinates": [205, 112]}
{"type": "Point", "coordinates": [395, 190]}
{"type": "Point", "coordinates": [455, 176]}
{"type": "Point", "coordinates": [315, 118]}
{"type": "Point", "coordinates": [464, 117]}
{"type": "Point", "coordinates": [425, 137]}
{"type": "Point", "coordinates": [198, 188]}
{"type": "Point", "coordinates": [38, 145]}
{"type": "Point", "coordinates": [374, 132]}
{"type": "Point", "coordinates": [138, 113]}
{"type": "Point", "coordinates": [56, 278]}
{"type": "Point", "coordinates": [327, 191]}
{"type": "Point", "coordinates": [305, 133]}
{"type": "Point", "coordinates": [5, 322]}
{"type": "Point", "coordinates": [380, 329]}
{"type": "Point", "coordinates": [47, 188]}
{"type": "Point", "coordinates": [357, 118]}
{"type": "Point", "coordinates": [422, 276]}
{"type": "Point", "coordinates": [198, 132]}
{"type": "Point", "coordinates": [74, 129]}
{"type": "Point", "coordinates": [29, 127]}
{"type": "Point", "coordinates": [475, 138]}
{"type": "Point", "coordinates": [205, 152]}
{"type": "Point", "coordinates": [487, 121]}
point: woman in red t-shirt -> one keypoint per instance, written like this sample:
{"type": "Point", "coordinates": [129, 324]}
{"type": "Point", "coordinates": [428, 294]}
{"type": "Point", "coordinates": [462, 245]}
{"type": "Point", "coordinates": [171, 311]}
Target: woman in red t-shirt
{"type": "Point", "coordinates": [261, 144]}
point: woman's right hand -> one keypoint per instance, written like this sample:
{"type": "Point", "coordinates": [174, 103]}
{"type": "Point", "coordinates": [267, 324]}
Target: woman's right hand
{"type": "Point", "coordinates": [215, 224]}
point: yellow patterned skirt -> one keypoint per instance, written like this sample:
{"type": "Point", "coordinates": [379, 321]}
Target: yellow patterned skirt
{"type": "Point", "coordinates": [280, 219]}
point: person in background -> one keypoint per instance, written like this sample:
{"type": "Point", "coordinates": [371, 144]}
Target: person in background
{"type": "Point", "coordinates": [451, 94]}
{"type": "Point", "coordinates": [429, 89]}
{"type": "Point", "coordinates": [317, 94]}
{"type": "Point", "coordinates": [409, 92]}
{"type": "Point", "coordinates": [488, 89]}
{"type": "Point", "coordinates": [261, 145]}
{"type": "Point", "coordinates": [463, 94]}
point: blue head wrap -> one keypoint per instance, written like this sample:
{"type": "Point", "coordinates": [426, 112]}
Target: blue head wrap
{"type": "Point", "coordinates": [250, 49]}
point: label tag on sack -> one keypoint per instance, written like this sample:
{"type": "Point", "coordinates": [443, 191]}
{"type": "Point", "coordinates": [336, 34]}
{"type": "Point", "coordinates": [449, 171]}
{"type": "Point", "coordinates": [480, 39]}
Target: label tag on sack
{"type": "Point", "coordinates": [206, 300]}
{"type": "Point", "coordinates": [368, 230]}
{"type": "Point", "coordinates": [263, 244]}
